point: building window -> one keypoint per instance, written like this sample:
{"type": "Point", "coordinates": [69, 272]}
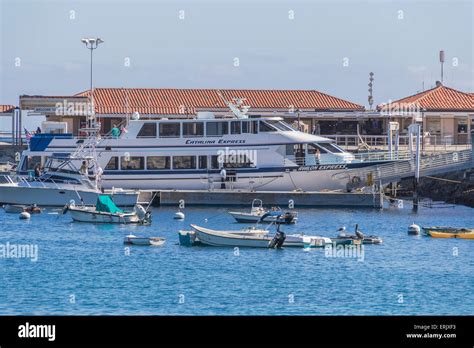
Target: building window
{"type": "Point", "coordinates": [462, 126]}
{"type": "Point", "coordinates": [148, 130]}
{"type": "Point", "coordinates": [158, 162]}
{"type": "Point", "coordinates": [217, 128]}
{"type": "Point", "coordinates": [235, 127]}
{"type": "Point", "coordinates": [113, 164]}
{"type": "Point", "coordinates": [132, 163]}
{"type": "Point", "coordinates": [202, 162]}
{"type": "Point", "coordinates": [193, 129]}
{"type": "Point", "coordinates": [170, 130]}
{"type": "Point", "coordinates": [184, 162]}
{"type": "Point", "coordinates": [433, 126]}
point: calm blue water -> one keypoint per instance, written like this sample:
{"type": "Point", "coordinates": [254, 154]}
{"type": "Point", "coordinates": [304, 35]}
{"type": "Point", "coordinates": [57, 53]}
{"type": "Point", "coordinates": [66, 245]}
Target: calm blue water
{"type": "Point", "coordinates": [89, 262]}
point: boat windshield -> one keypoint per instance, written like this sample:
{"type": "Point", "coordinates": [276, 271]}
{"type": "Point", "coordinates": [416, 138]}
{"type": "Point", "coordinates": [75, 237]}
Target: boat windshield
{"type": "Point", "coordinates": [330, 147]}
{"type": "Point", "coordinates": [279, 125]}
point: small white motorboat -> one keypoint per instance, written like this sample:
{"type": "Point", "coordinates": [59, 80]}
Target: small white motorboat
{"type": "Point", "coordinates": [260, 240]}
{"type": "Point", "coordinates": [260, 214]}
{"type": "Point", "coordinates": [153, 241]}
{"type": "Point", "coordinates": [105, 211]}
{"type": "Point", "coordinates": [19, 208]}
{"type": "Point", "coordinates": [189, 237]}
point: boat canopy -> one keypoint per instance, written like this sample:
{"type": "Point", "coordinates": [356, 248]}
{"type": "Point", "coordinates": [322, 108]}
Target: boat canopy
{"type": "Point", "coordinates": [106, 204]}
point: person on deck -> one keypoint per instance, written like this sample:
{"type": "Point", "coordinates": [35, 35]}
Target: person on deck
{"type": "Point", "coordinates": [115, 132]}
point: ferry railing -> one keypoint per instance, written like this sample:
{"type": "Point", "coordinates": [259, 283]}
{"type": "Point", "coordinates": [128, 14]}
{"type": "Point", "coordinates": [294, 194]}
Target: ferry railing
{"type": "Point", "coordinates": [430, 143]}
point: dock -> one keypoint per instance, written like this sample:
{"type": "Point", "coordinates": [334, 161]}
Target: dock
{"type": "Point", "coordinates": [337, 199]}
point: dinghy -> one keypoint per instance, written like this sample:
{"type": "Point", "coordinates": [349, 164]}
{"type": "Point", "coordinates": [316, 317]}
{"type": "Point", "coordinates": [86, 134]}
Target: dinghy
{"type": "Point", "coordinates": [105, 211]}
{"type": "Point", "coordinates": [260, 214]}
{"type": "Point", "coordinates": [153, 241]}
{"type": "Point", "coordinates": [449, 232]}
{"type": "Point", "coordinates": [260, 240]}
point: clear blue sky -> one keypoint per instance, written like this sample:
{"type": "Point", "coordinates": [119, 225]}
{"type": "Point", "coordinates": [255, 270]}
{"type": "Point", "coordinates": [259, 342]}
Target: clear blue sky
{"type": "Point", "coordinates": [398, 40]}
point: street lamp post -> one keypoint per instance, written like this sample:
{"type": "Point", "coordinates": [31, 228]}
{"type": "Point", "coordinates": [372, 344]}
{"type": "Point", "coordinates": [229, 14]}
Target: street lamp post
{"type": "Point", "coordinates": [92, 44]}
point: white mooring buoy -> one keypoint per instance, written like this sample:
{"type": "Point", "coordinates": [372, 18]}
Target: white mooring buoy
{"type": "Point", "coordinates": [25, 215]}
{"type": "Point", "coordinates": [179, 215]}
{"type": "Point", "coordinates": [414, 229]}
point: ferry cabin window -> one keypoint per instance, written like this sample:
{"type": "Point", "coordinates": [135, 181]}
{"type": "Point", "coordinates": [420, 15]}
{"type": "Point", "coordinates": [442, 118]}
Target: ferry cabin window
{"type": "Point", "coordinates": [235, 127]}
{"type": "Point", "coordinates": [148, 130]}
{"type": "Point", "coordinates": [113, 164]}
{"type": "Point", "coordinates": [202, 162]}
{"type": "Point", "coordinates": [217, 129]}
{"type": "Point", "coordinates": [290, 149]}
{"type": "Point", "coordinates": [158, 162]}
{"type": "Point", "coordinates": [184, 162]}
{"type": "Point", "coordinates": [215, 162]}
{"type": "Point", "coordinates": [245, 127]}
{"type": "Point", "coordinates": [254, 127]}
{"type": "Point", "coordinates": [170, 130]}
{"type": "Point", "coordinates": [132, 163]}
{"type": "Point", "coordinates": [193, 129]}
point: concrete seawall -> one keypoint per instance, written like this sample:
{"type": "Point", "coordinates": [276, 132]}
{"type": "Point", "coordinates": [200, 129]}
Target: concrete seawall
{"type": "Point", "coordinates": [299, 199]}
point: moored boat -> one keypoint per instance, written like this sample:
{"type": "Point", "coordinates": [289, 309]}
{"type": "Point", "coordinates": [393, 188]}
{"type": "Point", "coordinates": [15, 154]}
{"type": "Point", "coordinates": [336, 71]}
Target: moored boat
{"type": "Point", "coordinates": [449, 232]}
{"type": "Point", "coordinates": [260, 214]}
{"type": "Point", "coordinates": [260, 240]}
{"type": "Point", "coordinates": [105, 211]}
{"type": "Point", "coordinates": [153, 241]}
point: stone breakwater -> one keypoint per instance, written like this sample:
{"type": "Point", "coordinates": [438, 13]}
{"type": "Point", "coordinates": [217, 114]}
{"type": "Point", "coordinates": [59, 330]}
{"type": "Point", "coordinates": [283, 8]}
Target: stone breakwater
{"type": "Point", "coordinates": [455, 188]}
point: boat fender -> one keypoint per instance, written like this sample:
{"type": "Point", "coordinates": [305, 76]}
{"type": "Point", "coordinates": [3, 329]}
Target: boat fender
{"type": "Point", "coordinates": [25, 215]}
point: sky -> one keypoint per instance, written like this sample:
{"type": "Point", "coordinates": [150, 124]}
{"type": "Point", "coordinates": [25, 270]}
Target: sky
{"type": "Point", "coordinates": [329, 46]}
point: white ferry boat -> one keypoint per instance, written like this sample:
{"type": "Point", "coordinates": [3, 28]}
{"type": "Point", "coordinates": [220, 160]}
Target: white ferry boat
{"type": "Point", "coordinates": [206, 152]}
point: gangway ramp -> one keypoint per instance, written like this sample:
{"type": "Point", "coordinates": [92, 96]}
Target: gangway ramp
{"type": "Point", "coordinates": [430, 165]}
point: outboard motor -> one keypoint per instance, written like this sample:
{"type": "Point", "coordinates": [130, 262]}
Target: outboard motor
{"type": "Point", "coordinates": [278, 240]}
{"type": "Point", "coordinates": [143, 215]}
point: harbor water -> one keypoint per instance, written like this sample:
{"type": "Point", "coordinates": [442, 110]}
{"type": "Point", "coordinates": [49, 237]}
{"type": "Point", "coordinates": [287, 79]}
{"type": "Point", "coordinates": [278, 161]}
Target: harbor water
{"type": "Point", "coordinates": [85, 269]}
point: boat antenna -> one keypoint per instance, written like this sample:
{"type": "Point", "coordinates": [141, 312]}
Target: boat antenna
{"type": "Point", "coordinates": [238, 109]}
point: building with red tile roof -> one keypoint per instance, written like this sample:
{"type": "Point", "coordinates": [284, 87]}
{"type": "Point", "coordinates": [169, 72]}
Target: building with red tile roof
{"type": "Point", "coordinates": [446, 113]}
{"type": "Point", "coordinates": [112, 105]}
